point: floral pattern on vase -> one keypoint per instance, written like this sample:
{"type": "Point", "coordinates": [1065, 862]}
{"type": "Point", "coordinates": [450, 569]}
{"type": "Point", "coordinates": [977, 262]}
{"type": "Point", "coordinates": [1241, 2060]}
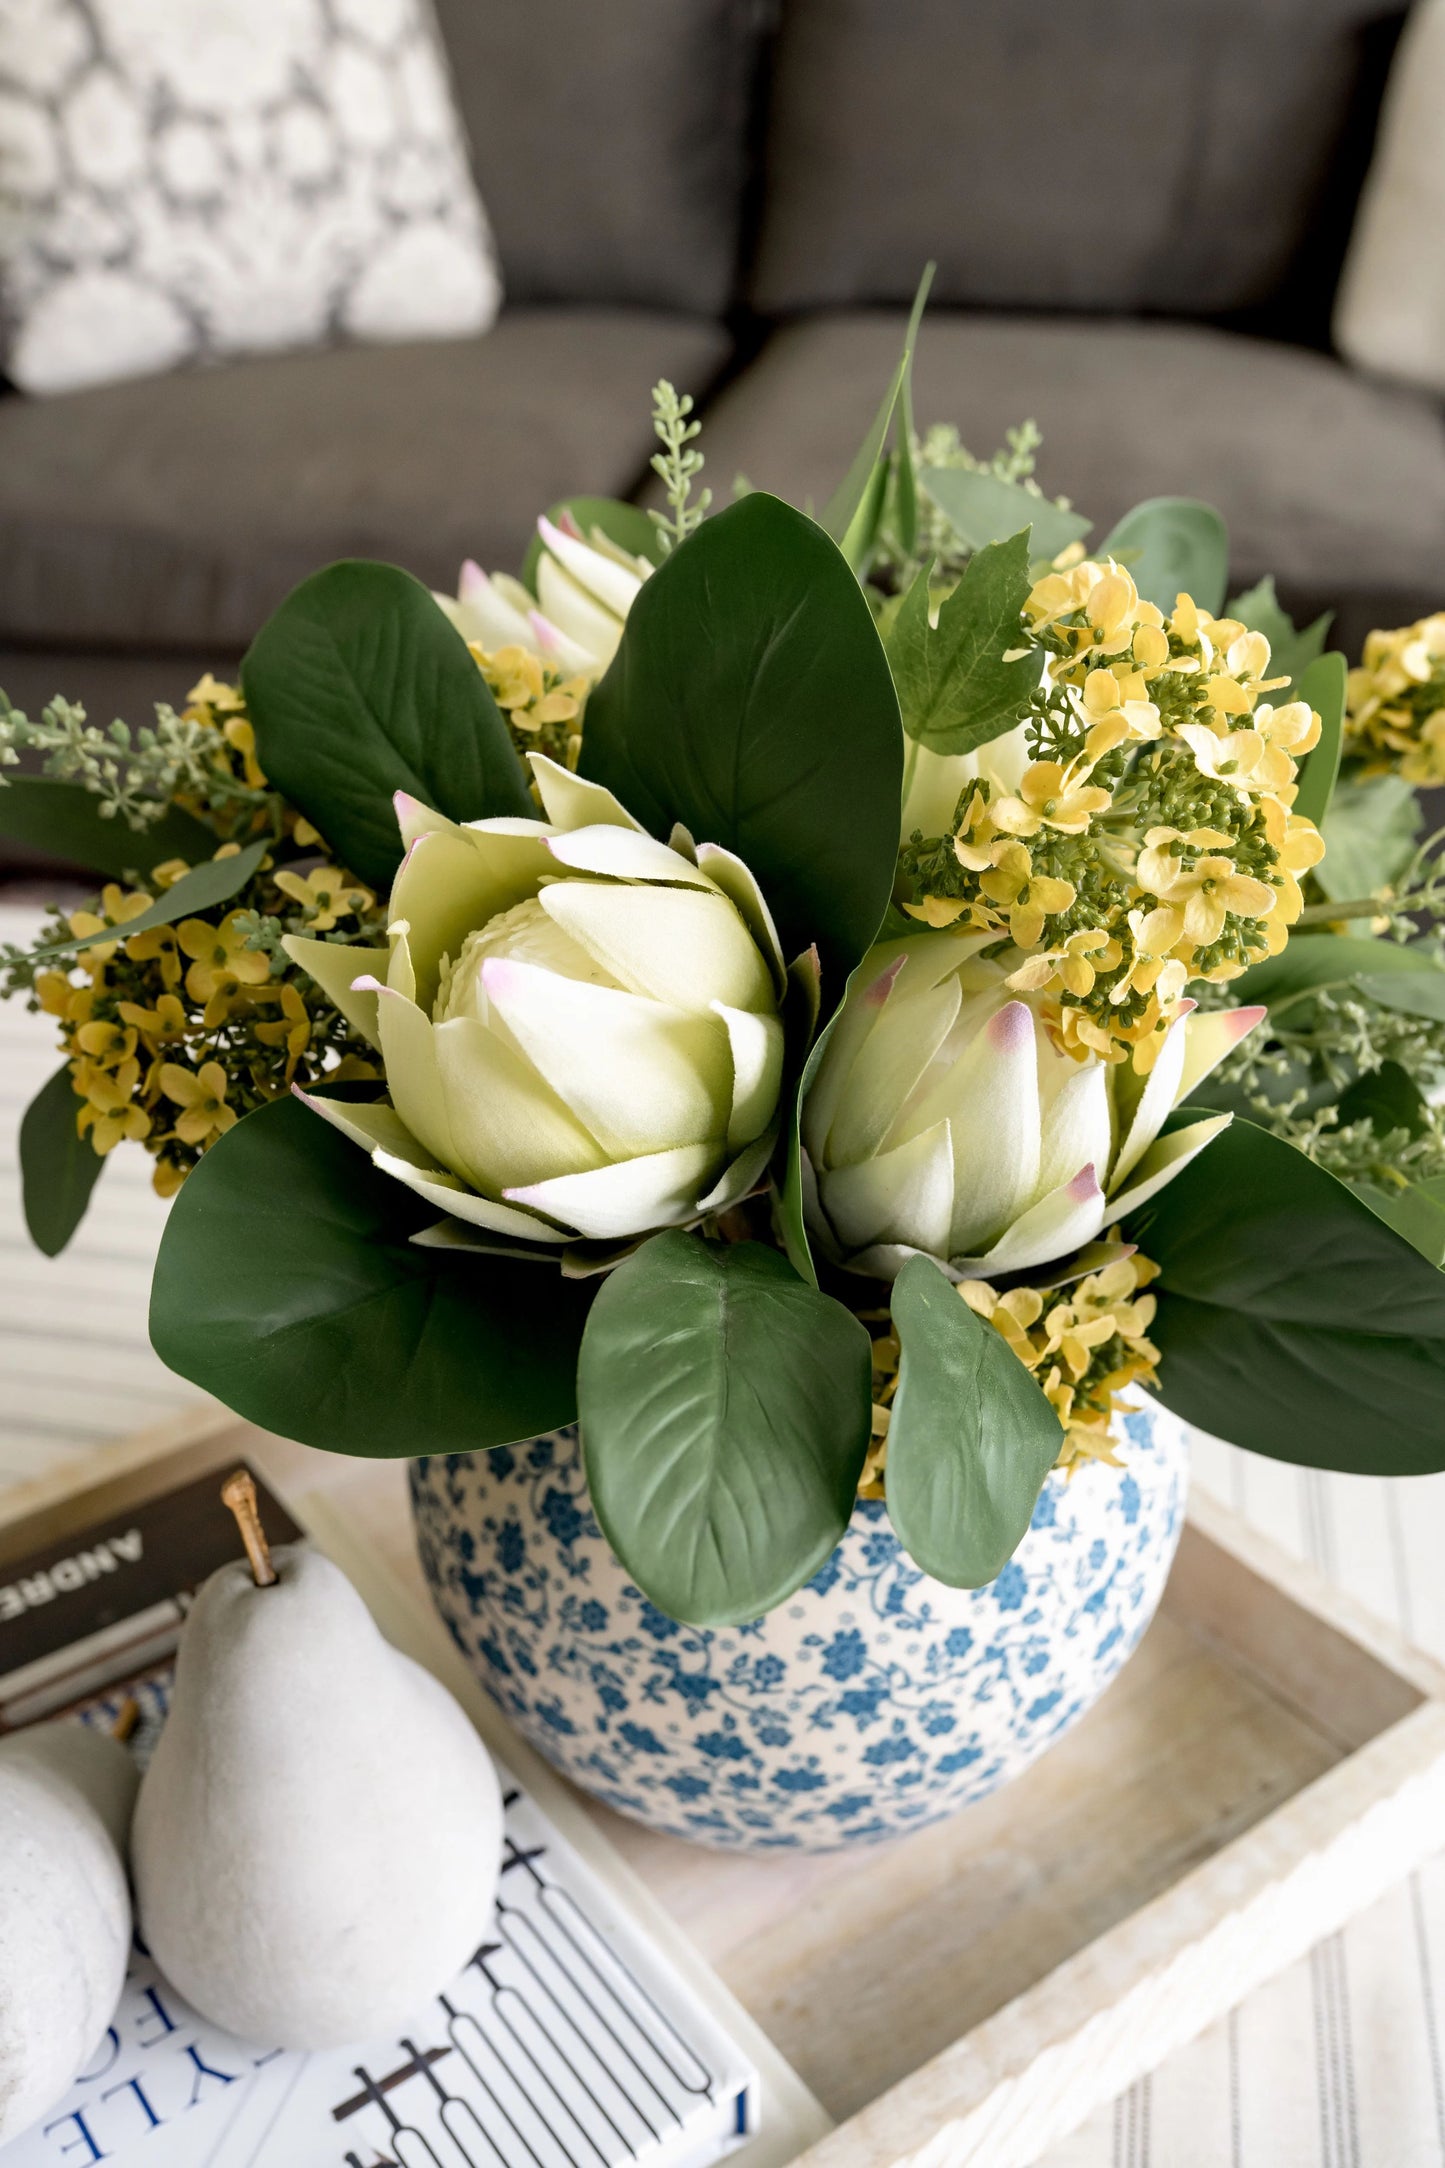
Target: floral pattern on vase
{"type": "Point", "coordinates": [872, 1702]}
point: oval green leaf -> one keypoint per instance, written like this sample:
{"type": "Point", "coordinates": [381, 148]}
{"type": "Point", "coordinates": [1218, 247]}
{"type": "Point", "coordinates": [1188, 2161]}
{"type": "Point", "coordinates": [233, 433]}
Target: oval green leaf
{"type": "Point", "coordinates": [725, 1411]}
{"type": "Point", "coordinates": [1291, 1319]}
{"type": "Point", "coordinates": [359, 687]}
{"type": "Point", "coordinates": [971, 1437]}
{"type": "Point", "coordinates": [288, 1285]}
{"type": "Point", "coordinates": [64, 820]}
{"type": "Point", "coordinates": [983, 508]}
{"type": "Point", "coordinates": [58, 1167]}
{"type": "Point", "coordinates": [1172, 546]}
{"type": "Point", "coordinates": [751, 700]}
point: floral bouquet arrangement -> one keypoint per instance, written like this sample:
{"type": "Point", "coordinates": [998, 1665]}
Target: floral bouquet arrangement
{"type": "Point", "coordinates": [768, 986]}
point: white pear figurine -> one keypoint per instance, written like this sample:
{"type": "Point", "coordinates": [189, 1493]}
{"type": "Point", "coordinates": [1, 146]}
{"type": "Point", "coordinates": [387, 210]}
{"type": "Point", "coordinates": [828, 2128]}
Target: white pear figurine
{"type": "Point", "coordinates": [318, 1839]}
{"type": "Point", "coordinates": [66, 1794]}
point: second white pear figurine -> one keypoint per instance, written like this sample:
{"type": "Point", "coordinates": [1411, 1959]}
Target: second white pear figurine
{"type": "Point", "coordinates": [318, 1838]}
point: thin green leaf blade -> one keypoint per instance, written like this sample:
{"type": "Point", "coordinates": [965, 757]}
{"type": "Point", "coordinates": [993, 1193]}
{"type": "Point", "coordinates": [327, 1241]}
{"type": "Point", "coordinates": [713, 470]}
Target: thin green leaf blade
{"type": "Point", "coordinates": [956, 690]}
{"type": "Point", "coordinates": [1323, 686]}
{"type": "Point", "coordinates": [195, 892]}
{"type": "Point", "coordinates": [623, 524]}
{"type": "Point", "coordinates": [725, 1411]}
{"type": "Point", "coordinates": [359, 687]}
{"type": "Point", "coordinates": [1313, 960]}
{"type": "Point", "coordinates": [288, 1285]}
{"type": "Point", "coordinates": [971, 1437]}
{"type": "Point", "coordinates": [751, 700]}
{"type": "Point", "coordinates": [1291, 1319]}
{"type": "Point", "coordinates": [58, 1167]}
{"type": "Point", "coordinates": [1174, 546]}
{"type": "Point", "coordinates": [905, 484]}
{"type": "Point", "coordinates": [64, 821]}
{"type": "Point", "coordinates": [983, 508]}
{"type": "Point", "coordinates": [841, 510]}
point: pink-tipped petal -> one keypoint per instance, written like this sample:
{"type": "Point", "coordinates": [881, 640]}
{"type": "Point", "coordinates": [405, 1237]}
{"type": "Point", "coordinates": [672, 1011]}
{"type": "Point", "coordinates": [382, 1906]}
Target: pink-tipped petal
{"type": "Point", "coordinates": [472, 582]}
{"type": "Point", "coordinates": [884, 984]}
{"type": "Point", "coordinates": [1012, 1028]}
{"type": "Point", "coordinates": [568, 524]}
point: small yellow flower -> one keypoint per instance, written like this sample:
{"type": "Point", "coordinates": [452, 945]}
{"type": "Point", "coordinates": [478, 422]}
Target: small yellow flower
{"type": "Point", "coordinates": [110, 1114]}
{"type": "Point", "coordinates": [166, 1177]}
{"type": "Point", "coordinates": [222, 963]}
{"type": "Point", "coordinates": [292, 1029]}
{"type": "Point", "coordinates": [1028, 898]}
{"type": "Point", "coordinates": [201, 1095]}
{"type": "Point", "coordinates": [56, 995]}
{"type": "Point", "coordinates": [1199, 886]}
{"type": "Point", "coordinates": [1051, 795]}
{"type": "Point", "coordinates": [325, 896]}
{"type": "Point", "coordinates": [117, 908]}
{"type": "Point", "coordinates": [157, 945]}
{"type": "Point", "coordinates": [108, 1045]}
{"type": "Point", "coordinates": [1074, 964]}
{"type": "Point", "coordinates": [166, 1021]}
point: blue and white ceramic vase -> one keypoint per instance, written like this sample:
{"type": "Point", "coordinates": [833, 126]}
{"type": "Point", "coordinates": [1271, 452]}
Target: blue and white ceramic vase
{"type": "Point", "coordinates": [873, 1701]}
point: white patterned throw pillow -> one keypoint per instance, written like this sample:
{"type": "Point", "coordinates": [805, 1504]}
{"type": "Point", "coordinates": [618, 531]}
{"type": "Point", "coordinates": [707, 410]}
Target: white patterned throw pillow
{"type": "Point", "coordinates": [182, 180]}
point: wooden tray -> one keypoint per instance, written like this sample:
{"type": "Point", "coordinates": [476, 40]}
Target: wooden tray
{"type": "Point", "coordinates": [1267, 1764]}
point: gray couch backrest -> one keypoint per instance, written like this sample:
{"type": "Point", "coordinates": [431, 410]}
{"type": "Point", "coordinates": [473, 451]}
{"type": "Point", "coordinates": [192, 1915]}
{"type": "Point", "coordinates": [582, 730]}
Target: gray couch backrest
{"type": "Point", "coordinates": [609, 139]}
{"type": "Point", "coordinates": [1162, 155]}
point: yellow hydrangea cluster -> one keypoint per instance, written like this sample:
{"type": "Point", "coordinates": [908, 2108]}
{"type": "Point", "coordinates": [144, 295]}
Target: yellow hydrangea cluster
{"type": "Point", "coordinates": [1395, 703]}
{"type": "Point", "coordinates": [174, 1032]}
{"type": "Point", "coordinates": [543, 705]}
{"type": "Point", "coordinates": [1085, 1344]}
{"type": "Point", "coordinates": [1150, 840]}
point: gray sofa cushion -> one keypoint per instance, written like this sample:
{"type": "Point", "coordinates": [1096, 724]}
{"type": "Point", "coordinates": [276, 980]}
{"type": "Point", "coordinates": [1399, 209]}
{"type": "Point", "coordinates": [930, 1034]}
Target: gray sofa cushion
{"type": "Point", "coordinates": [1334, 483]}
{"type": "Point", "coordinates": [177, 512]}
{"type": "Point", "coordinates": [1111, 156]}
{"type": "Point", "coordinates": [609, 140]}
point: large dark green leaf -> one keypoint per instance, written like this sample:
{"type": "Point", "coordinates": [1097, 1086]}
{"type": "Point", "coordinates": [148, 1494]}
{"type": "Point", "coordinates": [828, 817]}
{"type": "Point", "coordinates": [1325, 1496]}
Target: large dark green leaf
{"type": "Point", "coordinates": [982, 508]}
{"type": "Point", "coordinates": [63, 819]}
{"type": "Point", "coordinates": [725, 1418]}
{"type": "Point", "coordinates": [288, 1286]}
{"type": "Point", "coordinates": [1173, 546]}
{"type": "Point", "coordinates": [971, 1437]}
{"type": "Point", "coordinates": [1415, 1210]}
{"type": "Point", "coordinates": [1370, 832]}
{"type": "Point", "coordinates": [359, 687]}
{"type": "Point", "coordinates": [956, 690]}
{"type": "Point", "coordinates": [199, 890]}
{"type": "Point", "coordinates": [623, 524]}
{"type": "Point", "coordinates": [1409, 993]}
{"type": "Point", "coordinates": [58, 1167]}
{"type": "Point", "coordinates": [1291, 651]}
{"type": "Point", "coordinates": [752, 701]}
{"type": "Point", "coordinates": [1291, 1319]}
{"type": "Point", "coordinates": [1323, 686]}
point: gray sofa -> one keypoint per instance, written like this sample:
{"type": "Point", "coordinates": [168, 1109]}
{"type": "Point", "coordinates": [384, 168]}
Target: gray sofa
{"type": "Point", "coordinates": [1139, 214]}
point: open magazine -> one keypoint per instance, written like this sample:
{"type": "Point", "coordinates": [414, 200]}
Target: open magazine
{"type": "Point", "coordinates": [568, 2042]}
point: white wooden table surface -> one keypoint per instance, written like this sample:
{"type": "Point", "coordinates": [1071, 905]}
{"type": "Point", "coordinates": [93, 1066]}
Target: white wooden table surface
{"type": "Point", "coordinates": [1340, 2063]}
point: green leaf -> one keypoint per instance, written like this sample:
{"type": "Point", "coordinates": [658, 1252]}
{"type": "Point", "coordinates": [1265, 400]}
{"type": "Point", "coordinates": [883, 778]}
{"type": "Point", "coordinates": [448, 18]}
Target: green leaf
{"type": "Point", "coordinates": [983, 508]}
{"type": "Point", "coordinates": [199, 890]}
{"type": "Point", "coordinates": [955, 689]}
{"type": "Point", "coordinates": [1388, 1098]}
{"type": "Point", "coordinates": [905, 484]}
{"type": "Point", "coordinates": [63, 819]}
{"type": "Point", "coordinates": [1416, 1210]}
{"type": "Point", "coordinates": [1370, 831]}
{"type": "Point", "coordinates": [1290, 651]}
{"type": "Point", "coordinates": [1173, 546]}
{"type": "Point", "coordinates": [971, 1437]}
{"type": "Point", "coordinates": [623, 524]}
{"type": "Point", "coordinates": [791, 1223]}
{"type": "Point", "coordinates": [58, 1167]}
{"type": "Point", "coordinates": [359, 687]}
{"type": "Point", "coordinates": [1313, 960]}
{"type": "Point", "coordinates": [725, 1411]}
{"type": "Point", "coordinates": [1323, 686]}
{"type": "Point", "coordinates": [1409, 993]}
{"type": "Point", "coordinates": [841, 510]}
{"type": "Point", "coordinates": [1291, 1319]}
{"type": "Point", "coordinates": [751, 700]}
{"type": "Point", "coordinates": [288, 1285]}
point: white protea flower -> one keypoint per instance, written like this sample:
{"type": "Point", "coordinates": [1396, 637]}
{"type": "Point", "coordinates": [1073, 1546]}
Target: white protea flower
{"type": "Point", "coordinates": [579, 1024]}
{"type": "Point", "coordinates": [934, 782]}
{"type": "Point", "coordinates": [944, 1119]}
{"type": "Point", "coordinates": [585, 588]}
